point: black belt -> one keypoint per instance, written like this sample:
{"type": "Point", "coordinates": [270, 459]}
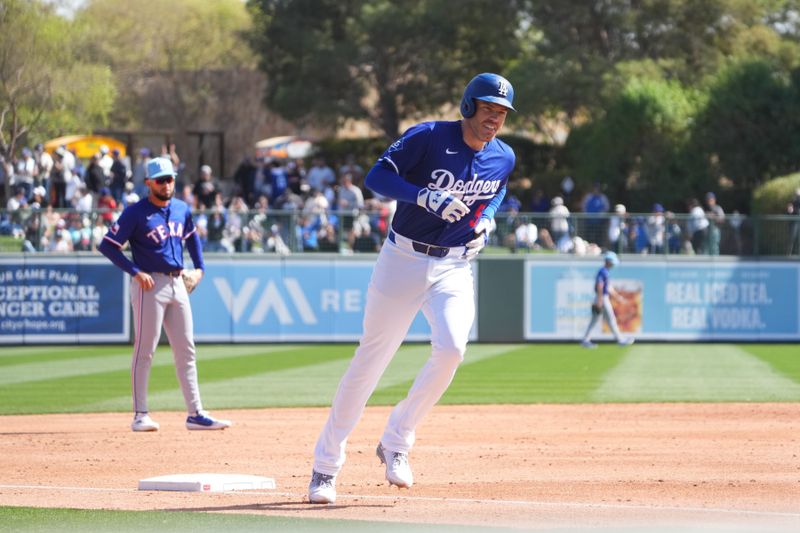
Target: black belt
{"type": "Point", "coordinates": [173, 274]}
{"type": "Point", "coordinates": [427, 249]}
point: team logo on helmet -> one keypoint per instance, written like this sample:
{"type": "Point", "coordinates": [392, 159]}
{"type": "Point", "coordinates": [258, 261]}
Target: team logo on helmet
{"type": "Point", "coordinates": [502, 88]}
{"type": "Point", "coordinates": [489, 88]}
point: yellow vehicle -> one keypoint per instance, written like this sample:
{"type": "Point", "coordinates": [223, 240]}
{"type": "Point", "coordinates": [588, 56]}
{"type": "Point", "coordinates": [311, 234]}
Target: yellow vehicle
{"type": "Point", "coordinates": [85, 146]}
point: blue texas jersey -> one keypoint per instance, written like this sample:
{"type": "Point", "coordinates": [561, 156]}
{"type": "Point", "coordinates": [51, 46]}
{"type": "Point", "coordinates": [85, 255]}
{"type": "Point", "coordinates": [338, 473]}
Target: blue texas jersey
{"type": "Point", "coordinates": [434, 155]}
{"type": "Point", "coordinates": [155, 234]}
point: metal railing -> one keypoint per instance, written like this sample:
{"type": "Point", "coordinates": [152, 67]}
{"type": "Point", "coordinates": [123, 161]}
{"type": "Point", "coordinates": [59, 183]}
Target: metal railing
{"type": "Point", "coordinates": [287, 232]}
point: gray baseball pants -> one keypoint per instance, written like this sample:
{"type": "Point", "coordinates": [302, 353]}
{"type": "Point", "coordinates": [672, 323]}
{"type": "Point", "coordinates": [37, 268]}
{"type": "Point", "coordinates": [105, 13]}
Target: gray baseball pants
{"type": "Point", "coordinates": [167, 304]}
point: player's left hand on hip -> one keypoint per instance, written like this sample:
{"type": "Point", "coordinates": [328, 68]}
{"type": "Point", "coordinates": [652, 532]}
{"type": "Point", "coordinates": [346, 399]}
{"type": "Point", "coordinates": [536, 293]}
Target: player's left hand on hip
{"type": "Point", "coordinates": [482, 229]}
{"type": "Point", "coordinates": [476, 245]}
{"type": "Point", "coordinates": [484, 225]}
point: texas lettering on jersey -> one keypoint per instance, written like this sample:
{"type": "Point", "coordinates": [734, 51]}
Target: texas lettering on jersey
{"type": "Point", "coordinates": [159, 234]}
{"type": "Point", "coordinates": [155, 234]}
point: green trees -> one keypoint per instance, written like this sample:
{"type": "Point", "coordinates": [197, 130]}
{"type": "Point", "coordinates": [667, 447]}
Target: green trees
{"type": "Point", "coordinates": [659, 99]}
{"type": "Point", "coordinates": [579, 51]}
{"type": "Point", "coordinates": [658, 140]}
{"type": "Point", "coordinates": [377, 60]}
{"type": "Point", "coordinates": [750, 123]}
{"type": "Point", "coordinates": [44, 88]}
{"type": "Point", "coordinates": [179, 67]}
{"type": "Point", "coordinates": [639, 147]}
{"type": "Point", "coordinates": [668, 98]}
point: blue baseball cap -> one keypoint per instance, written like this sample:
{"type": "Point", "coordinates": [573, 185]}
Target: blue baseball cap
{"type": "Point", "coordinates": [611, 257]}
{"type": "Point", "coordinates": [159, 166]}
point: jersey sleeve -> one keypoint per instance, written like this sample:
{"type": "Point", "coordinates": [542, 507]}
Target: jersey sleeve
{"type": "Point", "coordinates": [193, 244]}
{"type": "Point", "coordinates": [602, 280]}
{"type": "Point", "coordinates": [509, 159]}
{"type": "Point", "coordinates": [403, 154]}
{"type": "Point", "coordinates": [491, 208]}
{"type": "Point", "coordinates": [188, 225]}
{"type": "Point", "coordinates": [386, 177]}
{"type": "Point", "coordinates": [122, 229]}
{"type": "Point", "coordinates": [386, 182]}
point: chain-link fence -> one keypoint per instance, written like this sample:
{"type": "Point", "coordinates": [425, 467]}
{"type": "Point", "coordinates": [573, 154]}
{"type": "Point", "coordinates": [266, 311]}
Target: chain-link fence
{"type": "Point", "coordinates": [287, 232]}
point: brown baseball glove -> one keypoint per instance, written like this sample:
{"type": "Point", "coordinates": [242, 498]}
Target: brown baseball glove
{"type": "Point", "coordinates": [191, 278]}
{"type": "Point", "coordinates": [596, 309]}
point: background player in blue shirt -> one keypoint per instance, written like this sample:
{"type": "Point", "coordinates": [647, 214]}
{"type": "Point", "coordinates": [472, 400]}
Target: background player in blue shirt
{"type": "Point", "coordinates": [601, 306]}
{"type": "Point", "coordinates": [449, 179]}
{"type": "Point", "coordinates": [156, 228]}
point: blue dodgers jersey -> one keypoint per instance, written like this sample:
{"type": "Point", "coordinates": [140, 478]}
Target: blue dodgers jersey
{"type": "Point", "coordinates": [602, 277]}
{"type": "Point", "coordinates": [434, 155]}
{"type": "Point", "coordinates": [155, 234]}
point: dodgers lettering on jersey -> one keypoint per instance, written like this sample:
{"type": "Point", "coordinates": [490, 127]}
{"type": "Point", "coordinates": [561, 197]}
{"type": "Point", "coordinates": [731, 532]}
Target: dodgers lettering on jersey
{"type": "Point", "coordinates": [434, 155]}
{"type": "Point", "coordinates": [155, 234]}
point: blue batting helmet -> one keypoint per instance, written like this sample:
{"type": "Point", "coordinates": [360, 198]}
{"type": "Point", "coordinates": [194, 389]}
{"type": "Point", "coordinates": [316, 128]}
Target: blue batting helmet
{"type": "Point", "coordinates": [611, 257]}
{"type": "Point", "coordinates": [489, 88]}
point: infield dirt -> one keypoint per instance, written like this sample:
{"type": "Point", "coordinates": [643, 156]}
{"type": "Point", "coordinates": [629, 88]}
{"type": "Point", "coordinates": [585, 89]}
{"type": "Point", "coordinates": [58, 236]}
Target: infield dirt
{"type": "Point", "coordinates": [539, 466]}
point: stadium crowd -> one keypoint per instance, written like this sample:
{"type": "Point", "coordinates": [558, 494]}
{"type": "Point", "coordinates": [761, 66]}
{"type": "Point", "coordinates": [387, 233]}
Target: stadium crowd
{"type": "Point", "coordinates": [61, 204]}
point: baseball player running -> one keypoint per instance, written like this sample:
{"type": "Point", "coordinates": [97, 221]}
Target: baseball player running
{"type": "Point", "coordinates": [156, 228]}
{"type": "Point", "coordinates": [449, 179]}
{"type": "Point", "coordinates": [602, 303]}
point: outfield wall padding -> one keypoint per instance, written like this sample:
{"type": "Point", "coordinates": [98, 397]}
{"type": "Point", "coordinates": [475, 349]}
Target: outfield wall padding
{"type": "Point", "coordinates": [84, 299]}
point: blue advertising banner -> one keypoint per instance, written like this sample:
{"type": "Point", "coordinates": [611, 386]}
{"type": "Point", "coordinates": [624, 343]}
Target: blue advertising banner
{"type": "Point", "coordinates": [673, 300]}
{"type": "Point", "coordinates": [63, 300]}
{"type": "Point", "coordinates": [286, 300]}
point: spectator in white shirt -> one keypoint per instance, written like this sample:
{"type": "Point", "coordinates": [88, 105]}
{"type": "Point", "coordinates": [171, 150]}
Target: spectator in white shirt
{"type": "Point", "coordinates": [106, 161]}
{"type": "Point", "coordinates": [320, 176]}
{"type": "Point", "coordinates": [17, 201]}
{"type": "Point", "coordinates": [697, 226]}
{"type": "Point", "coordinates": [526, 234]}
{"type": "Point", "coordinates": [350, 198]}
{"type": "Point", "coordinates": [656, 229]}
{"type": "Point", "coordinates": [559, 221]}
{"type": "Point", "coordinates": [618, 230]}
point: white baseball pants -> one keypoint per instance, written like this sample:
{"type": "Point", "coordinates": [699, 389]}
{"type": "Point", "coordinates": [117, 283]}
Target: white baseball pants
{"type": "Point", "coordinates": [403, 282]}
{"type": "Point", "coordinates": [167, 304]}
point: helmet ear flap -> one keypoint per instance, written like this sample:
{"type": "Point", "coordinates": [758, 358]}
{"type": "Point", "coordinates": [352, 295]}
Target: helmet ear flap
{"type": "Point", "coordinates": [467, 107]}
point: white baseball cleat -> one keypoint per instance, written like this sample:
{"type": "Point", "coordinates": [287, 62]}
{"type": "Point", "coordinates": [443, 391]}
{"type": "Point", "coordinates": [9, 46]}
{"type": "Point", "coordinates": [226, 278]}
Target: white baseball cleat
{"type": "Point", "coordinates": [322, 488]}
{"type": "Point", "coordinates": [588, 344]}
{"type": "Point", "coordinates": [143, 422]}
{"type": "Point", "coordinates": [627, 341]}
{"type": "Point", "coordinates": [398, 471]}
{"type": "Point", "coordinates": [203, 420]}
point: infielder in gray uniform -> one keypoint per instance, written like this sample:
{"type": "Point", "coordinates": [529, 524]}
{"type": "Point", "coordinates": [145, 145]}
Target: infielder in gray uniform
{"type": "Point", "coordinates": [156, 228]}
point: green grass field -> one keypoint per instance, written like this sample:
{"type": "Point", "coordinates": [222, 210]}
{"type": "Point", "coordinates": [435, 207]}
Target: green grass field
{"type": "Point", "coordinates": [32, 520]}
{"type": "Point", "coordinates": [58, 379]}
